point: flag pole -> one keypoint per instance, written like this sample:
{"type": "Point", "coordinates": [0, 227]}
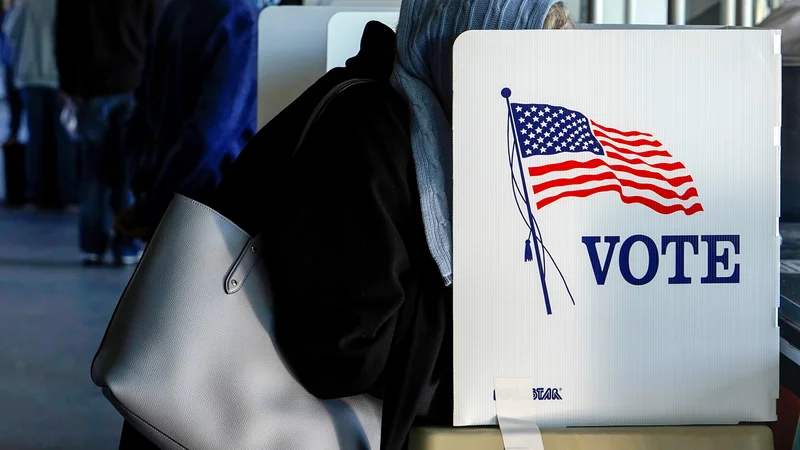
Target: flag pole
{"type": "Point", "coordinates": [506, 93]}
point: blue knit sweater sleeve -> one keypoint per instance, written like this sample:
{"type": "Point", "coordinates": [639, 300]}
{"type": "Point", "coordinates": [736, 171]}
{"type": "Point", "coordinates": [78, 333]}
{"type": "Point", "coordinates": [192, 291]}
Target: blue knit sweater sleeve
{"type": "Point", "coordinates": [224, 112]}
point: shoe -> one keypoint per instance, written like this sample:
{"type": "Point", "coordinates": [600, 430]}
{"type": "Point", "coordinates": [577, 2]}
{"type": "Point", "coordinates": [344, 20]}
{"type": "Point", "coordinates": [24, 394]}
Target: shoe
{"type": "Point", "coordinates": [127, 251]}
{"type": "Point", "coordinates": [92, 260]}
{"type": "Point", "coordinates": [128, 259]}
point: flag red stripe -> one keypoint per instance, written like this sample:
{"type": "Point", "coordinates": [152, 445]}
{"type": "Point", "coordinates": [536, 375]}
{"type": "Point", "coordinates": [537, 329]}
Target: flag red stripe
{"type": "Point", "coordinates": [632, 143]}
{"type": "Point", "coordinates": [621, 133]}
{"type": "Point", "coordinates": [668, 194]}
{"type": "Point", "coordinates": [663, 166]}
{"type": "Point", "coordinates": [647, 154]}
{"type": "Point", "coordinates": [595, 163]}
{"type": "Point", "coordinates": [652, 204]}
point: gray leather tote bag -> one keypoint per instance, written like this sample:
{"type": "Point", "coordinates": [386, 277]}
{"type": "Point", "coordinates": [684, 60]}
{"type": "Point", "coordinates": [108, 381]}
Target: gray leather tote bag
{"type": "Point", "coordinates": [188, 357]}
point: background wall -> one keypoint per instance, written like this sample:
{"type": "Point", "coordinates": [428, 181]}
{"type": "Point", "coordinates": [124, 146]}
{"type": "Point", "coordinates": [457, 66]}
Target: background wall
{"type": "Point", "coordinates": [655, 12]}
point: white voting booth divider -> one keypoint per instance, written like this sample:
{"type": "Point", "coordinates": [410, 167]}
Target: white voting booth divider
{"type": "Point", "coordinates": [345, 29]}
{"type": "Point", "coordinates": [292, 52]}
{"type": "Point", "coordinates": [615, 225]}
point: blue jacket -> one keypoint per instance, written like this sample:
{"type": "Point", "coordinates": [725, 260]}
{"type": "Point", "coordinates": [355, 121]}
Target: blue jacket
{"type": "Point", "coordinates": [6, 50]}
{"type": "Point", "coordinates": [196, 106]}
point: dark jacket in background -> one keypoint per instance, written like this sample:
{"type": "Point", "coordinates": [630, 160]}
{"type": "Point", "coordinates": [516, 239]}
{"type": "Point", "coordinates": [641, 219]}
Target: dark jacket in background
{"type": "Point", "coordinates": [360, 306]}
{"type": "Point", "coordinates": [196, 107]}
{"type": "Point", "coordinates": [100, 44]}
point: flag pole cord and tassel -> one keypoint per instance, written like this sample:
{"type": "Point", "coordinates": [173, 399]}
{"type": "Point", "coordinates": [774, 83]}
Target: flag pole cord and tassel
{"type": "Point", "coordinates": [506, 93]}
{"type": "Point", "coordinates": [517, 194]}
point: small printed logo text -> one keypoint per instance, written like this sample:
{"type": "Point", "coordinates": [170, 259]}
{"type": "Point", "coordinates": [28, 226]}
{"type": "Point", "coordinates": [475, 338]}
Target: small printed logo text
{"type": "Point", "coordinates": [541, 394]}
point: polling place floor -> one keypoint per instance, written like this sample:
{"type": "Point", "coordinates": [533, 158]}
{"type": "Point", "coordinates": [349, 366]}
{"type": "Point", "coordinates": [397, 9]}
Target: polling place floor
{"type": "Point", "coordinates": [53, 314]}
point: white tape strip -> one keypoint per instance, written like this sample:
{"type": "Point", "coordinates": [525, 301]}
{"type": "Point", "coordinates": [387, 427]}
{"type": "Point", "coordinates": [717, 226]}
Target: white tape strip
{"type": "Point", "coordinates": [514, 405]}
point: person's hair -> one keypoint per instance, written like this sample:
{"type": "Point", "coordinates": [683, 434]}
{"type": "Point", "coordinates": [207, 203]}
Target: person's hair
{"type": "Point", "coordinates": [558, 18]}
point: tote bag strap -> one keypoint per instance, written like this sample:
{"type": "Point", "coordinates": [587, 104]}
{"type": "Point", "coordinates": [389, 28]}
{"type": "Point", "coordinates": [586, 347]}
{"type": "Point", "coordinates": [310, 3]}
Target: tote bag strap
{"type": "Point", "coordinates": [249, 256]}
{"type": "Point", "coordinates": [338, 89]}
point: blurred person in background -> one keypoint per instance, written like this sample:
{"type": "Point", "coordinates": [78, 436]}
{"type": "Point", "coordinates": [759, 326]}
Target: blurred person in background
{"type": "Point", "coordinates": [13, 95]}
{"type": "Point", "coordinates": [195, 108]}
{"type": "Point", "coordinates": [100, 53]}
{"type": "Point", "coordinates": [51, 165]}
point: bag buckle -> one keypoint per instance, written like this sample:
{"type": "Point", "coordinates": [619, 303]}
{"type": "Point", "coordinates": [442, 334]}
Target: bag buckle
{"type": "Point", "coordinates": [244, 265]}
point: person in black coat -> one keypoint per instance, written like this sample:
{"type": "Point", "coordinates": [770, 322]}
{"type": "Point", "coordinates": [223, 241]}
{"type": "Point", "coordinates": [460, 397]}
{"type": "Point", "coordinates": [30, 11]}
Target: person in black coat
{"type": "Point", "coordinates": [360, 306]}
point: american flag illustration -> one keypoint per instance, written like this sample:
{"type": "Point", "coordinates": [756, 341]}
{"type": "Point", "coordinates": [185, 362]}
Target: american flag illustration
{"type": "Point", "coordinates": [566, 154]}
{"type": "Point", "coordinates": [556, 153]}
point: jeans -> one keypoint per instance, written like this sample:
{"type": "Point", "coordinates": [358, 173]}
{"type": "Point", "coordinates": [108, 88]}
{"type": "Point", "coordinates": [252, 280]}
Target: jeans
{"type": "Point", "coordinates": [15, 104]}
{"type": "Point", "coordinates": [105, 187]}
{"type": "Point", "coordinates": [51, 166]}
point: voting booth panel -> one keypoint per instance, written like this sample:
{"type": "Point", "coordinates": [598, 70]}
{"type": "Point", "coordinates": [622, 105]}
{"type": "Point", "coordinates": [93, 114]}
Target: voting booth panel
{"type": "Point", "coordinates": [286, 71]}
{"type": "Point", "coordinates": [615, 208]}
{"type": "Point", "coordinates": [345, 30]}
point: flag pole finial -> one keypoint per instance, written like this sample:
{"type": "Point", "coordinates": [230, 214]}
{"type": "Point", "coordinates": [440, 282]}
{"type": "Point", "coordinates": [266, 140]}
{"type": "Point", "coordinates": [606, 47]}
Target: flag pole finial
{"type": "Point", "coordinates": [506, 92]}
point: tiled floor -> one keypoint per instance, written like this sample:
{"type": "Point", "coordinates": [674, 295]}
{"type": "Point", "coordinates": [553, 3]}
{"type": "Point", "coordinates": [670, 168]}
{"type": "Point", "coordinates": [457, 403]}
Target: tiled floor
{"type": "Point", "coordinates": [52, 316]}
